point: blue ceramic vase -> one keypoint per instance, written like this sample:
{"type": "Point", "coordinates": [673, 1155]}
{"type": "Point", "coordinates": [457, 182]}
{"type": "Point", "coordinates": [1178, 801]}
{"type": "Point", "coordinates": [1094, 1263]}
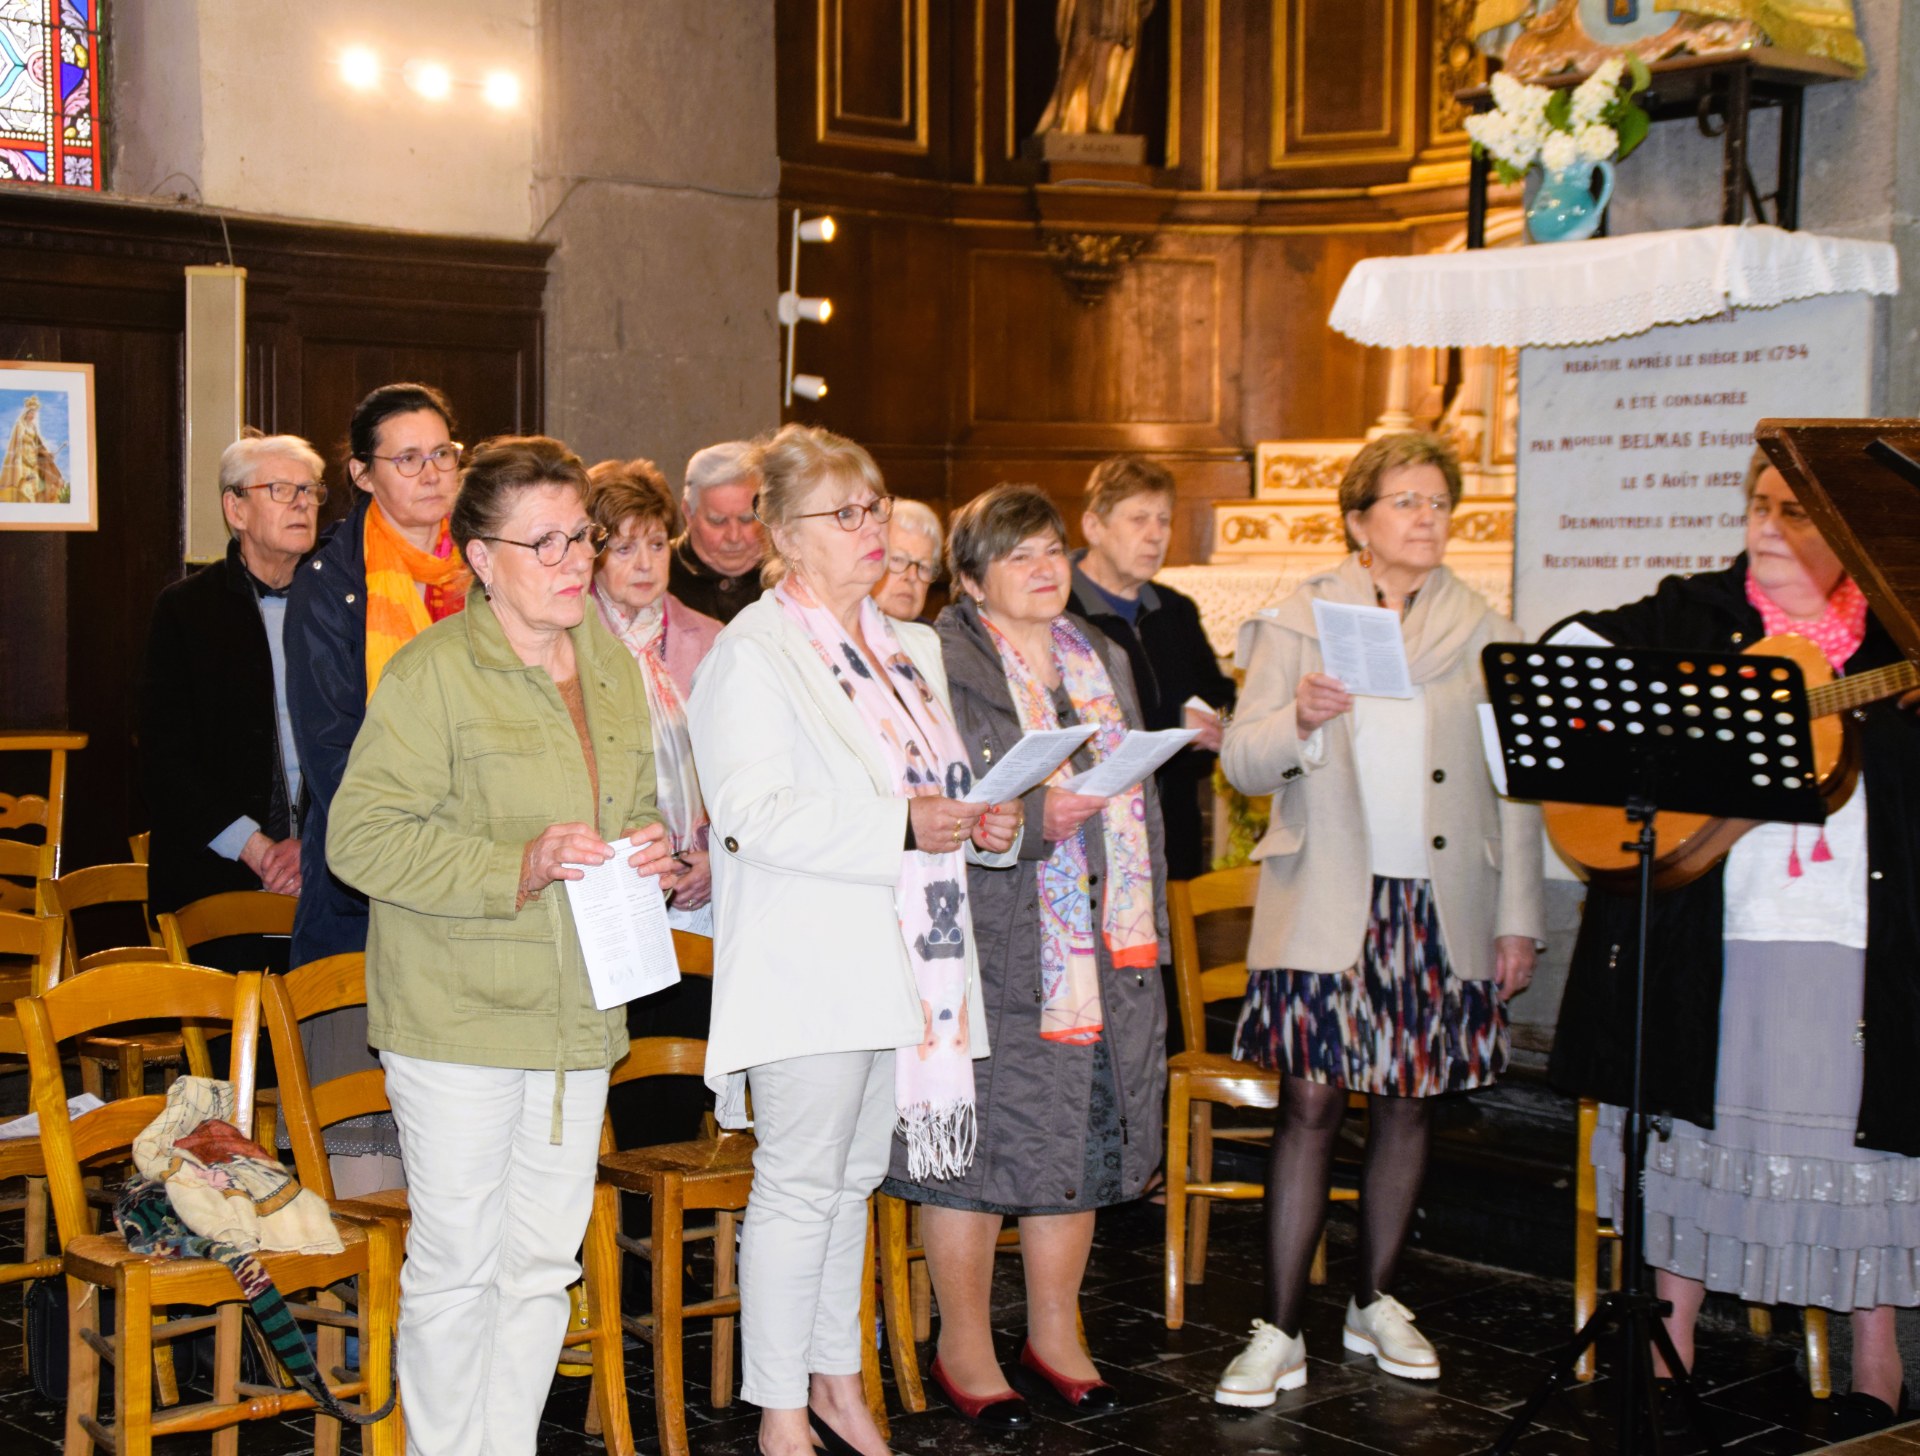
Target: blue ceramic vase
{"type": "Point", "coordinates": [1564, 209]}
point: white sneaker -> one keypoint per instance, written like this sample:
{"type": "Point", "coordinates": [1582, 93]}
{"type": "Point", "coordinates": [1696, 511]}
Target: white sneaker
{"type": "Point", "coordinates": [1272, 1362]}
{"type": "Point", "coordinates": [1384, 1330]}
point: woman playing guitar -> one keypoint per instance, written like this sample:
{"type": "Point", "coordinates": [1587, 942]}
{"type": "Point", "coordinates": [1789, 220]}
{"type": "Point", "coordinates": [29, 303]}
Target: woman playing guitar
{"type": "Point", "coordinates": [1784, 995]}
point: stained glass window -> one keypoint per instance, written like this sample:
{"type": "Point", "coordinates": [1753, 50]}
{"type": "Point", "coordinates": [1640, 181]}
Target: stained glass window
{"type": "Point", "coordinates": [50, 92]}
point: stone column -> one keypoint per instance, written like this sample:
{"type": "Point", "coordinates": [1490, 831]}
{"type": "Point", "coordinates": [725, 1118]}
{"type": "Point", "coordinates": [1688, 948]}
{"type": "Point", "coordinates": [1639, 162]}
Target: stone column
{"type": "Point", "coordinates": [655, 175]}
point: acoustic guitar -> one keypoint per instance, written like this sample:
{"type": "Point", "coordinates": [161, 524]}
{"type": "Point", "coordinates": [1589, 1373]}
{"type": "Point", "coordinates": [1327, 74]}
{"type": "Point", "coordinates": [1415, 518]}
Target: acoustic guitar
{"type": "Point", "coordinates": [1595, 838]}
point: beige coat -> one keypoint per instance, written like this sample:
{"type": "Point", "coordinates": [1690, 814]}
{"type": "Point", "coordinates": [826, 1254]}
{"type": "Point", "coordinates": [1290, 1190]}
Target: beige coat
{"type": "Point", "coordinates": [1483, 852]}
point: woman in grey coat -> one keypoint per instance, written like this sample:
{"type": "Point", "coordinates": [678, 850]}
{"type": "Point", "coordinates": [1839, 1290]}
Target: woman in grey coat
{"type": "Point", "coordinates": [1070, 946]}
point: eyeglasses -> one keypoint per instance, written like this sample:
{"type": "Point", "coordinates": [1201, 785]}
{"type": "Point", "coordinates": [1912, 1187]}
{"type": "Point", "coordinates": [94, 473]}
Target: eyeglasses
{"type": "Point", "coordinates": [286, 492]}
{"type": "Point", "coordinates": [849, 518]}
{"type": "Point", "coordinates": [411, 462]}
{"type": "Point", "coordinates": [901, 564]}
{"type": "Point", "coordinates": [1411, 500]}
{"type": "Point", "coordinates": [552, 548]}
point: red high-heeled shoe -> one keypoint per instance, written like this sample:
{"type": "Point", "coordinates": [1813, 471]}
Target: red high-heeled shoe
{"type": "Point", "coordinates": [1084, 1396]}
{"type": "Point", "coordinates": [1001, 1412]}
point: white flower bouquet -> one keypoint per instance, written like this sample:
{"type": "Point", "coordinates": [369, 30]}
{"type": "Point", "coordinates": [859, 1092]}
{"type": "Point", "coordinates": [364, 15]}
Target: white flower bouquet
{"type": "Point", "coordinates": [1562, 128]}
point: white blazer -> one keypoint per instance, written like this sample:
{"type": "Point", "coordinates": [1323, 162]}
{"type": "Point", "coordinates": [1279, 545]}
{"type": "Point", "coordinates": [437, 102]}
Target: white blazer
{"type": "Point", "coordinates": [807, 833]}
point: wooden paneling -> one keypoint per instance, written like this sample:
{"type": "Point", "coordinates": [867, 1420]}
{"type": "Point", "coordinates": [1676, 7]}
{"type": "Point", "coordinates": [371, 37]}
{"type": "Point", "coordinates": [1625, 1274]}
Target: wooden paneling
{"type": "Point", "coordinates": [1340, 86]}
{"type": "Point", "coordinates": [331, 313]}
{"type": "Point", "coordinates": [865, 83]}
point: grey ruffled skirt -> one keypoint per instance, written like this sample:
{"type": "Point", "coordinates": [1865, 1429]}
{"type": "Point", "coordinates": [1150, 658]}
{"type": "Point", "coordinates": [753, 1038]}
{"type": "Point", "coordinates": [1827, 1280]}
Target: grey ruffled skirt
{"type": "Point", "coordinates": [1777, 1203]}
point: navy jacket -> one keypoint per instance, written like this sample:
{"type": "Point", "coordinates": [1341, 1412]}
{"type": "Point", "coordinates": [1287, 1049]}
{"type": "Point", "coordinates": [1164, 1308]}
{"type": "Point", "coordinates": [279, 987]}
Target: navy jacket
{"type": "Point", "coordinates": [327, 691]}
{"type": "Point", "coordinates": [1592, 1052]}
{"type": "Point", "coordinates": [209, 733]}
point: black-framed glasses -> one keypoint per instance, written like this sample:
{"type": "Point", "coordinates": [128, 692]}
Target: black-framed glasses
{"type": "Point", "coordinates": [552, 548]}
{"type": "Point", "coordinates": [411, 462]}
{"type": "Point", "coordinates": [286, 492]}
{"type": "Point", "coordinates": [913, 569]}
{"type": "Point", "coordinates": [850, 517]}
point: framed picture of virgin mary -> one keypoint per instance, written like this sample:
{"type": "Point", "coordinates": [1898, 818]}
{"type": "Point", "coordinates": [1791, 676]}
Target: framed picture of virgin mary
{"type": "Point", "coordinates": [1537, 39]}
{"type": "Point", "coordinates": [47, 475]}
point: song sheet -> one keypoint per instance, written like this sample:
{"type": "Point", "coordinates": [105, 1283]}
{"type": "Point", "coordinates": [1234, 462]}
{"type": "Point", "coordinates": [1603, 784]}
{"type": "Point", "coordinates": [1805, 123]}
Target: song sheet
{"type": "Point", "coordinates": [1028, 763]}
{"type": "Point", "coordinates": [1138, 755]}
{"type": "Point", "coordinates": [1363, 648]}
{"type": "Point", "coordinates": [621, 919]}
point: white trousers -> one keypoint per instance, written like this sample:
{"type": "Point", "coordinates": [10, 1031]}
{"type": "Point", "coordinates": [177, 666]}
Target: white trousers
{"type": "Point", "coordinates": [498, 1213]}
{"type": "Point", "coordinates": [824, 1127]}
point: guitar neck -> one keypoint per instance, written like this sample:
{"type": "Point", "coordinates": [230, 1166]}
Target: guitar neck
{"type": "Point", "coordinates": [1867, 687]}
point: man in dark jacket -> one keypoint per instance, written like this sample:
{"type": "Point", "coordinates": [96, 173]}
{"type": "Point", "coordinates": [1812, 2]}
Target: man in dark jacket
{"type": "Point", "coordinates": [217, 751]}
{"type": "Point", "coordinates": [715, 563]}
{"type": "Point", "coordinates": [1128, 524]}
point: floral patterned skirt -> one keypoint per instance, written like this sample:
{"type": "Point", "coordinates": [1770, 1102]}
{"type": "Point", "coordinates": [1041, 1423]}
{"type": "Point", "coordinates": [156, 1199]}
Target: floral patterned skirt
{"type": "Point", "coordinates": [1400, 1024]}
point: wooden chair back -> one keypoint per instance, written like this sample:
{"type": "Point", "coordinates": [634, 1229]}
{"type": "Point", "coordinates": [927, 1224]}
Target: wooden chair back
{"type": "Point", "coordinates": [319, 986]}
{"type": "Point", "coordinates": [220, 917]}
{"type": "Point", "coordinates": [138, 845]}
{"type": "Point", "coordinates": [93, 888]}
{"type": "Point", "coordinates": [32, 947]}
{"type": "Point", "coordinates": [42, 815]}
{"type": "Point", "coordinates": [1196, 986]}
{"type": "Point", "coordinates": [108, 996]}
{"type": "Point", "coordinates": [665, 1056]}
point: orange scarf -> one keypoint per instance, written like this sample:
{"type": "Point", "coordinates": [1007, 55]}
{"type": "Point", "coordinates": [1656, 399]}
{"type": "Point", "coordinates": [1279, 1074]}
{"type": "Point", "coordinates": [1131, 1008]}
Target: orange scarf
{"type": "Point", "coordinates": [395, 568]}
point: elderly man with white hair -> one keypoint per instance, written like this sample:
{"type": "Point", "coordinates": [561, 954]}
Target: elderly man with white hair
{"type": "Point", "coordinates": [913, 560]}
{"type": "Point", "coordinates": [217, 750]}
{"type": "Point", "coordinates": [715, 565]}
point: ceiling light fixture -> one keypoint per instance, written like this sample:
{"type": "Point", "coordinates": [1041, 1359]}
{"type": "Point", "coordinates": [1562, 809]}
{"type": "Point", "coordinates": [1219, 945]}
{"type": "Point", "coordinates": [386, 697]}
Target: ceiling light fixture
{"type": "Point", "coordinates": [360, 68]}
{"type": "Point", "coordinates": [795, 310]}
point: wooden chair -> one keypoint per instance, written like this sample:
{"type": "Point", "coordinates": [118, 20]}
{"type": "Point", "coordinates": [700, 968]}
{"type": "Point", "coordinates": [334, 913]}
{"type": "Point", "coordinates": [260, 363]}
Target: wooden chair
{"type": "Point", "coordinates": [1199, 1080]}
{"type": "Point", "coordinates": [144, 991]}
{"type": "Point", "coordinates": [905, 1297]}
{"type": "Point", "coordinates": [138, 844]}
{"type": "Point", "coordinates": [24, 860]}
{"type": "Point", "coordinates": [340, 981]}
{"type": "Point", "coordinates": [1589, 1231]}
{"type": "Point", "coordinates": [33, 943]}
{"type": "Point", "coordinates": [220, 917]}
{"type": "Point", "coordinates": [93, 888]}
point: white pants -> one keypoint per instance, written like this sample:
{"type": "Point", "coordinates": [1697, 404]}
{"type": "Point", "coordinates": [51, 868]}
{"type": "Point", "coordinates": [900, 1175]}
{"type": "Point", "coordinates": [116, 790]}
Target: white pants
{"type": "Point", "coordinates": [498, 1212]}
{"type": "Point", "coordinates": [824, 1127]}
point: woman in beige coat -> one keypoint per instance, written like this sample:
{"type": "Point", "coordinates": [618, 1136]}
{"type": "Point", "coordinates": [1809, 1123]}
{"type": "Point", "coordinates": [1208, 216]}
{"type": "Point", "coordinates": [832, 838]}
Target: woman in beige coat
{"type": "Point", "coordinates": [1399, 899]}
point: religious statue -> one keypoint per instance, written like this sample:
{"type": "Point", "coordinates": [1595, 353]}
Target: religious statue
{"type": "Point", "coordinates": [30, 474]}
{"type": "Point", "coordinates": [1098, 39]}
{"type": "Point", "coordinates": [1538, 38]}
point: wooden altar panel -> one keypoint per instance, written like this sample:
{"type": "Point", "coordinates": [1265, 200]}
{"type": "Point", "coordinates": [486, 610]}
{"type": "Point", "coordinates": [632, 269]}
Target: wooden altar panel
{"type": "Point", "coordinates": [1308, 112]}
{"type": "Point", "coordinates": [864, 83]}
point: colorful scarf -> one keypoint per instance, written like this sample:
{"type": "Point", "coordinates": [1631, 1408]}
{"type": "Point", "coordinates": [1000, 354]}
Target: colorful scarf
{"type": "Point", "coordinates": [1069, 968]}
{"type": "Point", "coordinates": [676, 788]}
{"type": "Point", "coordinates": [933, 1081]}
{"type": "Point", "coordinates": [395, 568]}
{"type": "Point", "coordinates": [1839, 631]}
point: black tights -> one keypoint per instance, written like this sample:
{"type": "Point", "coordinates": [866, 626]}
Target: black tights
{"type": "Point", "coordinates": [1301, 1170]}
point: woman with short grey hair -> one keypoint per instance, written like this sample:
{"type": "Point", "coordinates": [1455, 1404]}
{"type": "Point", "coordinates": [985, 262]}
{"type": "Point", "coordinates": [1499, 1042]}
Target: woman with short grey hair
{"type": "Point", "coordinates": [913, 561]}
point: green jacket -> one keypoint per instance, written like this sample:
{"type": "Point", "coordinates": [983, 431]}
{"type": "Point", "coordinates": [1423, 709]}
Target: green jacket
{"type": "Point", "coordinates": [466, 754]}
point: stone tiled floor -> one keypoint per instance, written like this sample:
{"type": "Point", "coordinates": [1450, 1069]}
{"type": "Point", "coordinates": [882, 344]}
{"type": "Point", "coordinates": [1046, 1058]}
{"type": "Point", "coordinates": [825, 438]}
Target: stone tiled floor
{"type": "Point", "coordinates": [1493, 1329]}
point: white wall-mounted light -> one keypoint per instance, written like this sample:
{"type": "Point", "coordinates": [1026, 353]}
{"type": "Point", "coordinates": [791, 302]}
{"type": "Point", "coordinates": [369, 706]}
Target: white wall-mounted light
{"type": "Point", "coordinates": [430, 79]}
{"type": "Point", "coordinates": [360, 68]}
{"type": "Point", "coordinates": [501, 89]}
{"type": "Point", "coordinates": [795, 310]}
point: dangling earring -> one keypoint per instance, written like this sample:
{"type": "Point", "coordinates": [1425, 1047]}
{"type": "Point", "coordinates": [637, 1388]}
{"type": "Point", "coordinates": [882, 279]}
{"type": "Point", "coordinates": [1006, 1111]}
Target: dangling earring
{"type": "Point", "coordinates": [1366, 555]}
{"type": "Point", "coordinates": [486, 590]}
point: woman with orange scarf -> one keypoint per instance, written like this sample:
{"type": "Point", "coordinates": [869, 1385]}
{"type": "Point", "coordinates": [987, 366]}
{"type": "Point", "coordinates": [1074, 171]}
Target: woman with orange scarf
{"type": "Point", "coordinates": [380, 576]}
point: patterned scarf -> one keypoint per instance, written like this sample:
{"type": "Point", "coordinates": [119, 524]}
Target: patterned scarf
{"type": "Point", "coordinates": [933, 1081]}
{"type": "Point", "coordinates": [1069, 968]}
{"type": "Point", "coordinates": [1839, 631]}
{"type": "Point", "coordinates": [1838, 634]}
{"type": "Point", "coordinates": [675, 787]}
{"type": "Point", "coordinates": [395, 567]}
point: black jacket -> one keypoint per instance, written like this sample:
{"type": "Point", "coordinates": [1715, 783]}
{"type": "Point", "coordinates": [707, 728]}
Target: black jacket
{"type": "Point", "coordinates": [1593, 1048]}
{"type": "Point", "coordinates": [699, 586]}
{"type": "Point", "coordinates": [1172, 661]}
{"type": "Point", "coordinates": [209, 733]}
{"type": "Point", "coordinates": [327, 691]}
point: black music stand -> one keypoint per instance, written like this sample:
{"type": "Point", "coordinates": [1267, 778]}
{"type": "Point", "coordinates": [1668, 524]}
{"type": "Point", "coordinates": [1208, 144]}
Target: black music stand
{"type": "Point", "coordinates": [1698, 732]}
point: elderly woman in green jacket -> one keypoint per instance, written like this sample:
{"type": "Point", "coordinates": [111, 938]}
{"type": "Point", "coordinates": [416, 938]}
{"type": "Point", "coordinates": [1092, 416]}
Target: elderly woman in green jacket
{"type": "Point", "coordinates": [504, 748]}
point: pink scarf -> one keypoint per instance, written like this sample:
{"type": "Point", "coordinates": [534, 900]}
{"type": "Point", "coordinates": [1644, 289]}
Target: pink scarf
{"type": "Point", "coordinates": [933, 1081]}
{"type": "Point", "coordinates": [1838, 634]}
{"type": "Point", "coordinates": [1069, 967]}
{"type": "Point", "coordinates": [676, 789]}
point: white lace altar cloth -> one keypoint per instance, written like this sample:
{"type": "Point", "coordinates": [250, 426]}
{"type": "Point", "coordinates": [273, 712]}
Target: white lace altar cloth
{"type": "Point", "coordinates": [1606, 288]}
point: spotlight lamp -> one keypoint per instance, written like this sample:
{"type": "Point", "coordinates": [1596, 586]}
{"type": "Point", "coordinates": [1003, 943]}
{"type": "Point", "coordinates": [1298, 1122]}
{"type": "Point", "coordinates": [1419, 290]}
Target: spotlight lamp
{"type": "Point", "coordinates": [431, 79]}
{"type": "Point", "coordinates": [501, 89]}
{"type": "Point", "coordinates": [359, 68]}
{"type": "Point", "coordinates": [795, 309]}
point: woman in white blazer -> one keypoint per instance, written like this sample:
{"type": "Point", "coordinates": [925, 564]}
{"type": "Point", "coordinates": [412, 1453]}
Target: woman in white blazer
{"type": "Point", "coordinates": [843, 950]}
{"type": "Point", "coordinates": [1398, 904]}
